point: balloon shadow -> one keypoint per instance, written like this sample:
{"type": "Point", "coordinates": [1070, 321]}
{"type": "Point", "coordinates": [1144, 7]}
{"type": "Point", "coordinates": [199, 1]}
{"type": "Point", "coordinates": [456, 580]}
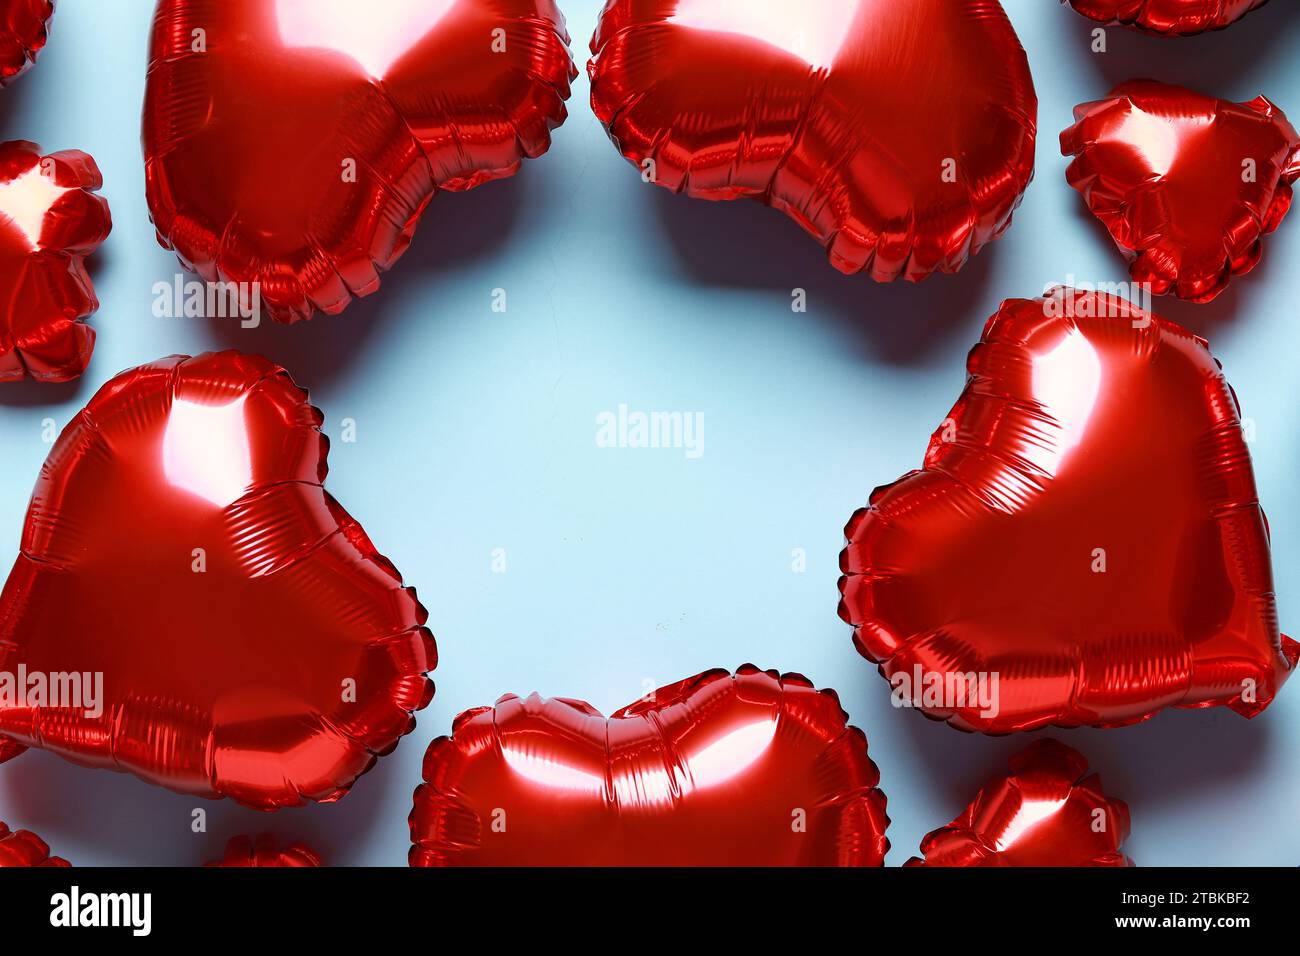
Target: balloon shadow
{"type": "Point", "coordinates": [1178, 752]}
{"type": "Point", "coordinates": [29, 393]}
{"type": "Point", "coordinates": [1153, 763]}
{"type": "Point", "coordinates": [955, 763]}
{"type": "Point", "coordinates": [123, 821]}
{"type": "Point", "coordinates": [1215, 62]}
{"type": "Point", "coordinates": [743, 244]}
{"type": "Point", "coordinates": [457, 228]}
{"type": "Point", "coordinates": [11, 108]}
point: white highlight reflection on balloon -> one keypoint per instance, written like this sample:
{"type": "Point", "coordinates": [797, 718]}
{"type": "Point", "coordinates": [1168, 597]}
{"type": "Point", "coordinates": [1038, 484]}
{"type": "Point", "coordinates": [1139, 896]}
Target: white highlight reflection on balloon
{"type": "Point", "coordinates": [550, 772]}
{"type": "Point", "coordinates": [26, 200]}
{"type": "Point", "coordinates": [732, 754]}
{"type": "Point", "coordinates": [823, 24]}
{"type": "Point", "coordinates": [1152, 136]}
{"type": "Point", "coordinates": [205, 450]}
{"type": "Point", "coordinates": [375, 39]}
{"type": "Point", "coordinates": [1066, 383]}
{"type": "Point", "coordinates": [1031, 813]}
{"type": "Point", "coordinates": [714, 764]}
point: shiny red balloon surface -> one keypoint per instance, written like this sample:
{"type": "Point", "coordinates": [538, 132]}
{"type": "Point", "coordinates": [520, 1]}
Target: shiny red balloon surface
{"type": "Point", "coordinates": [295, 143]}
{"type": "Point", "coordinates": [181, 553]}
{"type": "Point", "coordinates": [718, 770]}
{"type": "Point", "coordinates": [1084, 543]}
{"type": "Point", "coordinates": [266, 852]}
{"type": "Point", "coordinates": [1168, 17]}
{"type": "Point", "coordinates": [24, 28]}
{"type": "Point", "coordinates": [51, 219]}
{"type": "Point", "coordinates": [1187, 184]}
{"type": "Point", "coordinates": [1046, 811]}
{"type": "Point", "coordinates": [900, 135]}
{"type": "Point", "coordinates": [19, 848]}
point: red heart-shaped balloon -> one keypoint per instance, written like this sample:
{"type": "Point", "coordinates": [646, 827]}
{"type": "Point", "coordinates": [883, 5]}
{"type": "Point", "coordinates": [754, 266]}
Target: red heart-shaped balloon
{"type": "Point", "coordinates": [1046, 812]}
{"type": "Point", "coordinates": [20, 848]}
{"type": "Point", "coordinates": [754, 769]}
{"type": "Point", "coordinates": [24, 28]}
{"type": "Point", "coordinates": [1084, 544]}
{"type": "Point", "coordinates": [901, 135]}
{"type": "Point", "coordinates": [50, 221]}
{"type": "Point", "coordinates": [1186, 184]}
{"type": "Point", "coordinates": [1168, 17]}
{"type": "Point", "coordinates": [266, 852]}
{"type": "Point", "coordinates": [295, 143]}
{"type": "Point", "coordinates": [190, 605]}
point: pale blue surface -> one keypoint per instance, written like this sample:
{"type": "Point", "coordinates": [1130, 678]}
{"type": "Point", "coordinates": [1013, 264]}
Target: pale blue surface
{"type": "Point", "coordinates": [476, 431]}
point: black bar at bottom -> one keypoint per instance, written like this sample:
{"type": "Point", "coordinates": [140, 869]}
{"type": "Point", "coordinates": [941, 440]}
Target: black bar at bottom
{"type": "Point", "coordinates": [639, 906]}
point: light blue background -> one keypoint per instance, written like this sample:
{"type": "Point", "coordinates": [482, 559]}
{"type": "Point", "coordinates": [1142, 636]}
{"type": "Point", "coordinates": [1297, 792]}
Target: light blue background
{"type": "Point", "coordinates": [476, 431]}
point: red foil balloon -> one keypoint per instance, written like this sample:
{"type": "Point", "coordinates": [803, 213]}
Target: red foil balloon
{"type": "Point", "coordinates": [754, 769]}
{"type": "Point", "coordinates": [901, 135]}
{"type": "Point", "coordinates": [1046, 812]}
{"type": "Point", "coordinates": [265, 852]}
{"type": "Point", "coordinates": [190, 605]}
{"type": "Point", "coordinates": [24, 28]}
{"type": "Point", "coordinates": [50, 221]}
{"type": "Point", "coordinates": [1168, 17]}
{"type": "Point", "coordinates": [1084, 543]}
{"type": "Point", "coordinates": [295, 143]}
{"type": "Point", "coordinates": [20, 848]}
{"type": "Point", "coordinates": [1186, 184]}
